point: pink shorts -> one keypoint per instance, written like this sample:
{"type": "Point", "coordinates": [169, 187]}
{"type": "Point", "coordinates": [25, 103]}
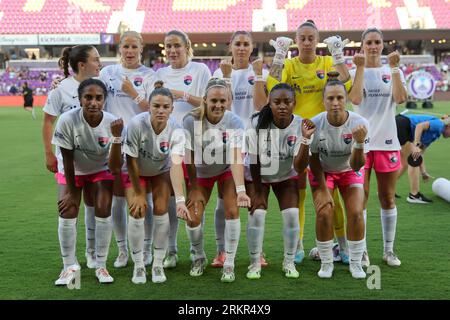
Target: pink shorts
{"type": "Point", "coordinates": [342, 179]}
{"type": "Point", "coordinates": [82, 180]}
{"type": "Point", "coordinates": [383, 161]}
{"type": "Point", "coordinates": [126, 182]}
{"type": "Point", "coordinates": [209, 182]}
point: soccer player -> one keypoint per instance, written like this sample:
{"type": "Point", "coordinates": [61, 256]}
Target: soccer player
{"type": "Point", "coordinates": [376, 92]}
{"type": "Point", "coordinates": [187, 81]}
{"type": "Point", "coordinates": [307, 74]}
{"type": "Point", "coordinates": [337, 157]}
{"type": "Point", "coordinates": [84, 61]}
{"type": "Point", "coordinates": [155, 148]}
{"type": "Point", "coordinates": [126, 98]}
{"type": "Point", "coordinates": [243, 77]}
{"type": "Point", "coordinates": [84, 136]}
{"type": "Point", "coordinates": [27, 93]}
{"type": "Point", "coordinates": [215, 147]}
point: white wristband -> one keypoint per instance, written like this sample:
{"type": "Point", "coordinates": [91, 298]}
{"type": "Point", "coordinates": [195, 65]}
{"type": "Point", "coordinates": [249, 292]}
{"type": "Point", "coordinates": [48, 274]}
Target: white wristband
{"type": "Point", "coordinates": [305, 141]}
{"type": "Point", "coordinates": [117, 140]}
{"type": "Point", "coordinates": [240, 188]}
{"type": "Point", "coordinates": [358, 145]}
{"type": "Point", "coordinates": [259, 78]}
{"type": "Point", "coordinates": [395, 70]}
{"type": "Point", "coordinates": [180, 199]}
{"type": "Point", "coordinates": [138, 99]}
{"type": "Point", "coordinates": [227, 80]}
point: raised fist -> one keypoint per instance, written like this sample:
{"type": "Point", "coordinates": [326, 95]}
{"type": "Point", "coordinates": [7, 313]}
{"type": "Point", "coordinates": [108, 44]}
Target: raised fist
{"type": "Point", "coordinates": [359, 133]}
{"type": "Point", "coordinates": [394, 59]}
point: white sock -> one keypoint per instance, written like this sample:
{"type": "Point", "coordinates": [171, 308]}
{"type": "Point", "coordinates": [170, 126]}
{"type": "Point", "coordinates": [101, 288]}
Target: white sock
{"type": "Point", "coordinates": [291, 230]}
{"type": "Point", "coordinates": [67, 233]}
{"type": "Point", "coordinates": [160, 238]}
{"type": "Point", "coordinates": [119, 218]}
{"type": "Point", "coordinates": [325, 250]}
{"type": "Point", "coordinates": [232, 234]}
{"type": "Point", "coordinates": [173, 226]}
{"type": "Point", "coordinates": [136, 240]}
{"type": "Point", "coordinates": [89, 222]}
{"type": "Point", "coordinates": [195, 235]}
{"type": "Point", "coordinates": [103, 233]}
{"type": "Point", "coordinates": [219, 223]}
{"type": "Point", "coordinates": [365, 228]}
{"type": "Point", "coordinates": [342, 244]}
{"type": "Point", "coordinates": [389, 224]}
{"type": "Point", "coordinates": [255, 234]}
{"type": "Point", "coordinates": [356, 249]}
{"type": "Point", "coordinates": [148, 225]}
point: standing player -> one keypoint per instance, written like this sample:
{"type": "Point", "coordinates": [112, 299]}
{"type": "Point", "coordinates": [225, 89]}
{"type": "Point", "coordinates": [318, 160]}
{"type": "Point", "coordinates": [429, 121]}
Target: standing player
{"type": "Point", "coordinates": [127, 98]}
{"type": "Point", "coordinates": [84, 61]}
{"type": "Point", "coordinates": [243, 78]}
{"type": "Point", "coordinates": [376, 92]}
{"type": "Point", "coordinates": [84, 136]}
{"type": "Point", "coordinates": [27, 93]}
{"type": "Point", "coordinates": [337, 156]}
{"type": "Point", "coordinates": [307, 74]}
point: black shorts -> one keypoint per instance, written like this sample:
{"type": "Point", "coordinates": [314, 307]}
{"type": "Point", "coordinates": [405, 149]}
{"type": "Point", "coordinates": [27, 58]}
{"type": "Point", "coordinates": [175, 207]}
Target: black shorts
{"type": "Point", "coordinates": [403, 129]}
{"type": "Point", "coordinates": [28, 103]}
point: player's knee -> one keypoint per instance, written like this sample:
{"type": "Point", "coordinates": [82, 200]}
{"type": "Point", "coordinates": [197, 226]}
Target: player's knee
{"type": "Point", "coordinates": [103, 211]}
{"type": "Point", "coordinates": [325, 214]}
{"type": "Point", "coordinates": [70, 213]}
{"type": "Point", "coordinates": [387, 201]}
{"type": "Point", "coordinates": [232, 213]}
{"type": "Point", "coordinates": [160, 207]}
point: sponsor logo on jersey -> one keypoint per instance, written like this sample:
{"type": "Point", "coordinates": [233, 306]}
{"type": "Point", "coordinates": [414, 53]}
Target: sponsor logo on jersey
{"type": "Point", "coordinates": [225, 137]}
{"type": "Point", "coordinates": [164, 146]}
{"type": "Point", "coordinates": [103, 141]}
{"type": "Point", "coordinates": [393, 158]}
{"type": "Point", "coordinates": [187, 80]}
{"type": "Point", "coordinates": [388, 141]}
{"type": "Point", "coordinates": [320, 74]}
{"type": "Point", "coordinates": [138, 81]}
{"type": "Point", "coordinates": [251, 80]}
{"type": "Point", "coordinates": [386, 78]}
{"type": "Point", "coordinates": [347, 137]}
{"type": "Point", "coordinates": [291, 141]}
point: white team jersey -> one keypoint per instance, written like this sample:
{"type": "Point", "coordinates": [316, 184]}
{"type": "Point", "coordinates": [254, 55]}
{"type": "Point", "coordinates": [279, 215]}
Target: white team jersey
{"type": "Point", "coordinates": [90, 145]}
{"type": "Point", "coordinates": [118, 102]}
{"type": "Point", "coordinates": [378, 107]}
{"type": "Point", "coordinates": [192, 79]}
{"type": "Point", "coordinates": [334, 144]}
{"type": "Point", "coordinates": [153, 150]}
{"type": "Point", "coordinates": [242, 84]}
{"type": "Point", "coordinates": [212, 143]}
{"type": "Point", "coordinates": [276, 149]}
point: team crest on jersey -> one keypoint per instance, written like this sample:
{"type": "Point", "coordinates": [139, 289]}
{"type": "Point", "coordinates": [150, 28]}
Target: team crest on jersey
{"type": "Point", "coordinates": [225, 137]}
{"type": "Point", "coordinates": [187, 80]}
{"type": "Point", "coordinates": [386, 78]}
{"type": "Point", "coordinates": [291, 141]}
{"type": "Point", "coordinates": [347, 137]}
{"type": "Point", "coordinates": [164, 146]}
{"type": "Point", "coordinates": [251, 80]}
{"type": "Point", "coordinates": [320, 74]}
{"type": "Point", "coordinates": [138, 81]}
{"type": "Point", "coordinates": [103, 141]}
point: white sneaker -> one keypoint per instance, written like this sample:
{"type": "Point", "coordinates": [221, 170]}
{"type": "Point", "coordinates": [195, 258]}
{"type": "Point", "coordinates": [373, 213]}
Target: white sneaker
{"type": "Point", "coordinates": [139, 275]}
{"type": "Point", "coordinates": [289, 270]}
{"type": "Point", "coordinates": [103, 275]}
{"type": "Point", "coordinates": [365, 262]}
{"type": "Point", "coordinates": [158, 275]}
{"type": "Point", "coordinates": [197, 267]}
{"type": "Point", "coordinates": [357, 271]}
{"type": "Point", "coordinates": [91, 260]}
{"type": "Point", "coordinates": [326, 270]}
{"type": "Point", "coordinates": [148, 258]}
{"type": "Point", "coordinates": [254, 271]}
{"type": "Point", "coordinates": [227, 274]}
{"type": "Point", "coordinates": [121, 260]}
{"type": "Point", "coordinates": [67, 275]}
{"type": "Point", "coordinates": [171, 260]}
{"type": "Point", "coordinates": [391, 259]}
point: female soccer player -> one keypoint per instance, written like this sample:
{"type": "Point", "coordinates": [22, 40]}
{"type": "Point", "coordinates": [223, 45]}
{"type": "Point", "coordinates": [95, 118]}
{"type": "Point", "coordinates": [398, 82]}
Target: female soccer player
{"type": "Point", "coordinates": [84, 61]}
{"type": "Point", "coordinates": [376, 92]}
{"type": "Point", "coordinates": [187, 81]}
{"type": "Point", "coordinates": [84, 136]}
{"type": "Point", "coordinates": [272, 142]}
{"type": "Point", "coordinates": [126, 98]}
{"type": "Point", "coordinates": [155, 149]}
{"type": "Point", "coordinates": [243, 77]}
{"type": "Point", "coordinates": [215, 145]}
{"type": "Point", "coordinates": [307, 74]}
{"type": "Point", "coordinates": [337, 156]}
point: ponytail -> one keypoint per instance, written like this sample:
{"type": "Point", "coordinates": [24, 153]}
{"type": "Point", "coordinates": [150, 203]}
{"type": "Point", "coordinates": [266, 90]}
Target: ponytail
{"type": "Point", "coordinates": [72, 56]}
{"type": "Point", "coordinates": [63, 62]}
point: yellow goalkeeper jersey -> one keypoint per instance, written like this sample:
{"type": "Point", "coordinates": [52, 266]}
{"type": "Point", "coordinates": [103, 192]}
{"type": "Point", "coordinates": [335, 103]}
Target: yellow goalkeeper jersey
{"type": "Point", "coordinates": [308, 80]}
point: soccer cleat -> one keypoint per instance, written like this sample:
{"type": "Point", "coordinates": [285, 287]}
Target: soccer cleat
{"type": "Point", "coordinates": [344, 257]}
{"type": "Point", "coordinates": [121, 260]}
{"type": "Point", "coordinates": [148, 258]}
{"type": "Point", "coordinates": [197, 267]}
{"type": "Point", "coordinates": [336, 256]}
{"type": "Point", "coordinates": [365, 262]}
{"type": "Point", "coordinates": [391, 259]}
{"type": "Point", "coordinates": [158, 275]}
{"type": "Point", "coordinates": [171, 260]}
{"type": "Point", "coordinates": [254, 271]}
{"type": "Point", "coordinates": [139, 275]}
{"type": "Point", "coordinates": [91, 260]}
{"type": "Point", "coordinates": [263, 260]}
{"type": "Point", "coordinates": [290, 271]}
{"type": "Point", "coordinates": [357, 271]}
{"type": "Point", "coordinates": [103, 275]}
{"type": "Point", "coordinates": [219, 260]}
{"type": "Point", "coordinates": [67, 275]}
{"type": "Point", "coordinates": [299, 256]}
{"type": "Point", "coordinates": [326, 270]}
{"type": "Point", "coordinates": [227, 274]}
{"type": "Point", "coordinates": [418, 198]}
{"type": "Point", "coordinates": [314, 254]}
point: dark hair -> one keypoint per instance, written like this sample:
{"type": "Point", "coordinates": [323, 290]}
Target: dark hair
{"type": "Point", "coordinates": [266, 115]}
{"type": "Point", "coordinates": [308, 23]}
{"type": "Point", "coordinates": [89, 82]}
{"type": "Point", "coordinates": [332, 80]}
{"type": "Point", "coordinates": [160, 91]}
{"type": "Point", "coordinates": [72, 56]}
{"type": "Point", "coordinates": [238, 33]}
{"type": "Point", "coordinates": [369, 30]}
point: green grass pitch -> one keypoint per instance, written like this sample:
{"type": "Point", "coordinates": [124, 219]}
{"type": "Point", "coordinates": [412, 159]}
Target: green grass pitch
{"type": "Point", "coordinates": [30, 257]}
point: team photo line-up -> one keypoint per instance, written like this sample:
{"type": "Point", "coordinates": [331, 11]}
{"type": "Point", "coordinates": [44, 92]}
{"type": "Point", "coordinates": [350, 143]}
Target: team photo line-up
{"type": "Point", "coordinates": [154, 144]}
